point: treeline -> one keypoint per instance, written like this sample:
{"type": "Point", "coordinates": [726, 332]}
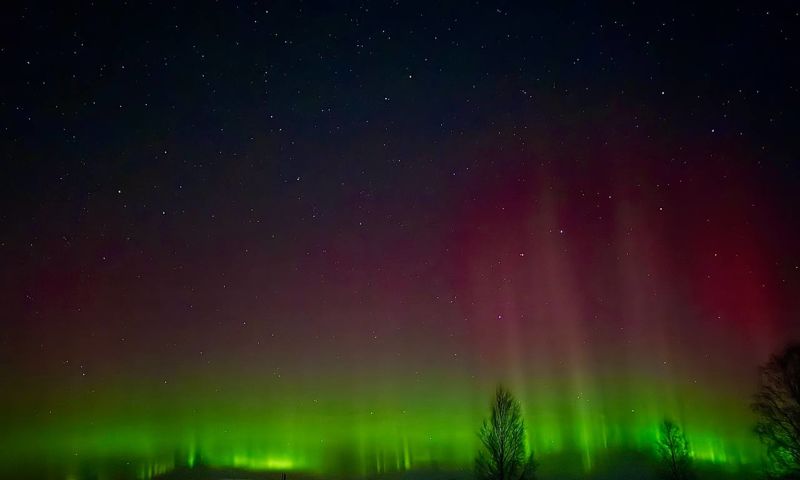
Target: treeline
{"type": "Point", "coordinates": [503, 454]}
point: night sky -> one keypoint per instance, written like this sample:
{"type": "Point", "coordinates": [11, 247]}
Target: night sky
{"type": "Point", "coordinates": [307, 237]}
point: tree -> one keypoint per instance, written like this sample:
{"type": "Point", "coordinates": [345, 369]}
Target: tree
{"type": "Point", "coordinates": [673, 451]}
{"type": "Point", "coordinates": [777, 406]}
{"type": "Point", "coordinates": [503, 455]}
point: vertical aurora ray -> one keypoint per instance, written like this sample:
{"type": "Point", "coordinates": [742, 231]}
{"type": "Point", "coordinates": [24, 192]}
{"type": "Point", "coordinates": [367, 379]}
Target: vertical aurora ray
{"type": "Point", "coordinates": [314, 238]}
{"type": "Point", "coordinates": [603, 311]}
{"type": "Point", "coordinates": [578, 436]}
{"type": "Point", "coordinates": [576, 316]}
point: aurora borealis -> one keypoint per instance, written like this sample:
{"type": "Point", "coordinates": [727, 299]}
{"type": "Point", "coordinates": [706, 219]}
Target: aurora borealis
{"type": "Point", "coordinates": [313, 239]}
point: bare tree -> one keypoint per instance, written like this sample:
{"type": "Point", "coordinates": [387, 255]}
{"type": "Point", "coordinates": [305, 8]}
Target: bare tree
{"type": "Point", "coordinates": [503, 454]}
{"type": "Point", "coordinates": [673, 451]}
{"type": "Point", "coordinates": [777, 405]}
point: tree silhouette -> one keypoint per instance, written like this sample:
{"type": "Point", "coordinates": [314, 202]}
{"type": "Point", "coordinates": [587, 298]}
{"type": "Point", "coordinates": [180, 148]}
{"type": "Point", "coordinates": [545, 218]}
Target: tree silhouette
{"type": "Point", "coordinates": [673, 451]}
{"type": "Point", "coordinates": [503, 454]}
{"type": "Point", "coordinates": [777, 405]}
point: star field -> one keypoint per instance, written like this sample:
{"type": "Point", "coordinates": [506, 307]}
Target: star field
{"type": "Point", "coordinates": [314, 237]}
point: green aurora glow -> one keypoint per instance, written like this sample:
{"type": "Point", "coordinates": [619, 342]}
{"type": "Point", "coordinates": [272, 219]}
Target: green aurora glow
{"type": "Point", "coordinates": [296, 238]}
{"type": "Point", "coordinates": [330, 433]}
